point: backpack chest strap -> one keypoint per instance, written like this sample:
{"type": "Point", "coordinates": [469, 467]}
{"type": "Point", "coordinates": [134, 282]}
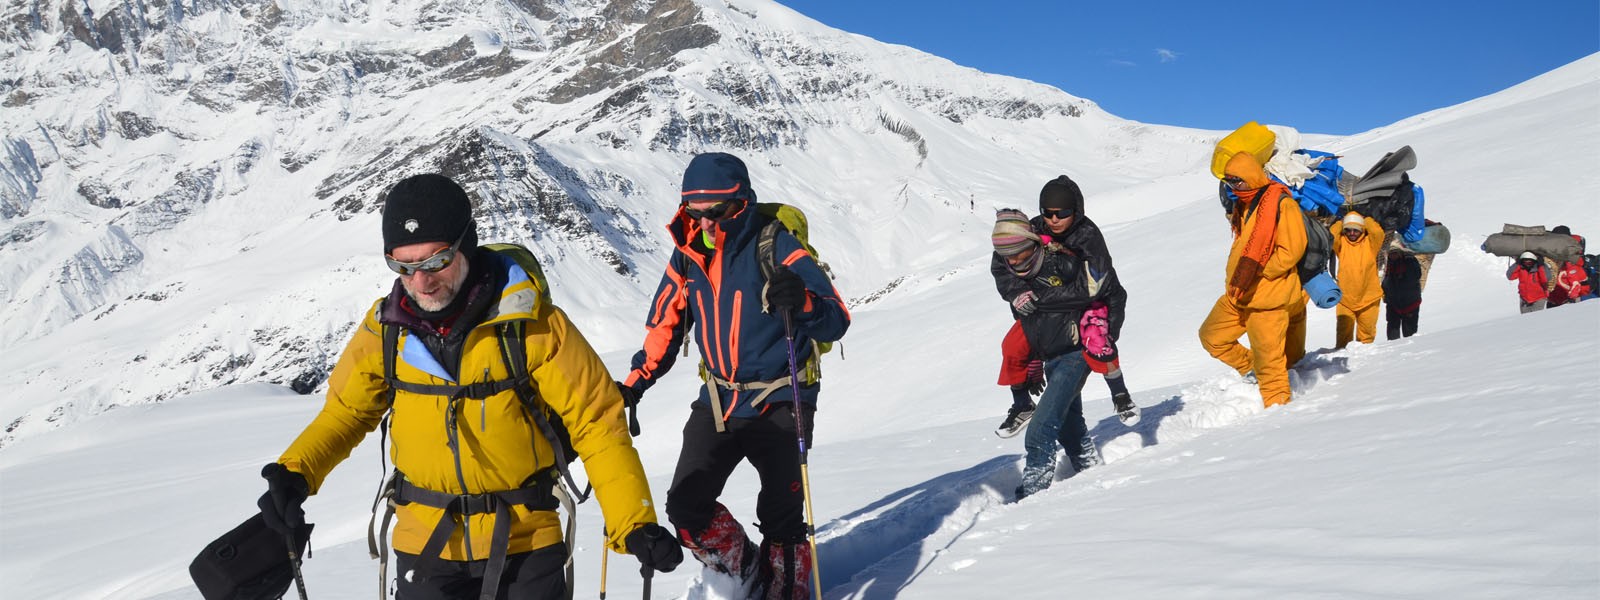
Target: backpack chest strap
{"type": "Point", "coordinates": [472, 391]}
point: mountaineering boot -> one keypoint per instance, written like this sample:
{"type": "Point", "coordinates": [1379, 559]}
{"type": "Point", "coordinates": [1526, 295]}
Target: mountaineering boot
{"type": "Point", "coordinates": [1016, 419]}
{"type": "Point", "coordinates": [1086, 455]}
{"type": "Point", "coordinates": [1126, 409]}
{"type": "Point", "coordinates": [723, 547]}
{"type": "Point", "coordinates": [786, 572]}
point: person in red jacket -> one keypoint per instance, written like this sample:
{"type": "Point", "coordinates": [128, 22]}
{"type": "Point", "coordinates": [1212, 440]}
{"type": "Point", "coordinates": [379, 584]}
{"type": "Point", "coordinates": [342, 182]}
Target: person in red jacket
{"type": "Point", "coordinates": [1531, 277]}
{"type": "Point", "coordinates": [1572, 282]}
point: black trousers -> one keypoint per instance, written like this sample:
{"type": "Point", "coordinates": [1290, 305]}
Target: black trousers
{"type": "Point", "coordinates": [709, 457]}
{"type": "Point", "coordinates": [536, 575]}
{"type": "Point", "coordinates": [1398, 324]}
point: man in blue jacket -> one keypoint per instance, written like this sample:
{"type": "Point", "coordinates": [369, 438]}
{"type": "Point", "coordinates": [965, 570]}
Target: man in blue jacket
{"type": "Point", "coordinates": [714, 283]}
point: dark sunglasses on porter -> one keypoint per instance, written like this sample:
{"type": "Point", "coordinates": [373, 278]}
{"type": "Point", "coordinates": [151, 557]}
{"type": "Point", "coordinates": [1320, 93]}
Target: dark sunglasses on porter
{"type": "Point", "coordinates": [439, 261]}
{"type": "Point", "coordinates": [1233, 182]}
{"type": "Point", "coordinates": [713, 212]}
{"type": "Point", "coordinates": [1056, 213]}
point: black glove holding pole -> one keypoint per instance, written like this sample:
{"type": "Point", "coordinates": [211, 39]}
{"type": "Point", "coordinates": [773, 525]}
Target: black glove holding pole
{"type": "Point", "coordinates": [786, 291]}
{"type": "Point", "coordinates": [655, 546]}
{"type": "Point", "coordinates": [280, 506]}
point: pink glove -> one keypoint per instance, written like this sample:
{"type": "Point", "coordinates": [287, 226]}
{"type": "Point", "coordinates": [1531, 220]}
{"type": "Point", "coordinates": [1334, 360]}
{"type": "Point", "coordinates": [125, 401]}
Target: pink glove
{"type": "Point", "coordinates": [1096, 335]}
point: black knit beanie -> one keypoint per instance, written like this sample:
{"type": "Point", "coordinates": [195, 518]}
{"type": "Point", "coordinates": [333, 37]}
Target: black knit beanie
{"type": "Point", "coordinates": [1061, 193]}
{"type": "Point", "coordinates": [428, 208]}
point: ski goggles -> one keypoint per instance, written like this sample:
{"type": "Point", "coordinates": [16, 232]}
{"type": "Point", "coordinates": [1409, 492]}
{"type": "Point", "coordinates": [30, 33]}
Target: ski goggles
{"type": "Point", "coordinates": [714, 212]}
{"type": "Point", "coordinates": [1233, 182]}
{"type": "Point", "coordinates": [439, 261]}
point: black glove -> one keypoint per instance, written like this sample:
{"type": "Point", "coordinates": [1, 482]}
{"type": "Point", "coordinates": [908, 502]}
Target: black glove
{"type": "Point", "coordinates": [630, 395]}
{"type": "Point", "coordinates": [280, 506]}
{"type": "Point", "coordinates": [630, 399]}
{"type": "Point", "coordinates": [1035, 377]}
{"type": "Point", "coordinates": [655, 546]}
{"type": "Point", "coordinates": [785, 291]}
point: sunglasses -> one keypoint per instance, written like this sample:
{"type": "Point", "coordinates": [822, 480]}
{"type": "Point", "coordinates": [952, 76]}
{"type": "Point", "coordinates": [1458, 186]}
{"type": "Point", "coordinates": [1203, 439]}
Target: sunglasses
{"type": "Point", "coordinates": [439, 261]}
{"type": "Point", "coordinates": [1233, 182]}
{"type": "Point", "coordinates": [1056, 213]}
{"type": "Point", "coordinates": [714, 212]}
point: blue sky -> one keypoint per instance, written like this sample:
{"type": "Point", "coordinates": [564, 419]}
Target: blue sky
{"type": "Point", "coordinates": [1331, 67]}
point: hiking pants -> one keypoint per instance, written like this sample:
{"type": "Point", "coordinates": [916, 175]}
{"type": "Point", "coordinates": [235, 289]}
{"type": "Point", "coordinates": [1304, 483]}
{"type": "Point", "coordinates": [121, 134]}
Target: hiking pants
{"type": "Point", "coordinates": [1057, 422]}
{"type": "Point", "coordinates": [1294, 342]}
{"type": "Point", "coordinates": [708, 458]}
{"type": "Point", "coordinates": [1267, 329]}
{"type": "Point", "coordinates": [1014, 356]}
{"type": "Point", "coordinates": [1401, 324]}
{"type": "Point", "coordinates": [1361, 322]}
{"type": "Point", "coordinates": [536, 575]}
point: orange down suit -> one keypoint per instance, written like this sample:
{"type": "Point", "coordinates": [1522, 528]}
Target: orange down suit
{"type": "Point", "coordinates": [1263, 310]}
{"type": "Point", "coordinates": [1358, 279]}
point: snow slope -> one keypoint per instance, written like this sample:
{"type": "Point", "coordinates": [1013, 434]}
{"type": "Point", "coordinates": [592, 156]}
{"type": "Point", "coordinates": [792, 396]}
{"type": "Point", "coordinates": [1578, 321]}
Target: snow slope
{"type": "Point", "coordinates": [1459, 463]}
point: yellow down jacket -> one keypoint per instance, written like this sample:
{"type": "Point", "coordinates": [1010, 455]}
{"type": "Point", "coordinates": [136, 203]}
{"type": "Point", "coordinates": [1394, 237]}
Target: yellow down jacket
{"type": "Point", "coordinates": [499, 447]}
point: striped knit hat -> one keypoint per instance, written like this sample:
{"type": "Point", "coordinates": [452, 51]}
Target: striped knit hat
{"type": "Point", "coordinates": [1013, 234]}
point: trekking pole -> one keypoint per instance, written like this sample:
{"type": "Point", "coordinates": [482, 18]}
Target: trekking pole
{"type": "Point", "coordinates": [647, 573]}
{"type": "Point", "coordinates": [800, 437]}
{"type": "Point", "coordinates": [605, 556]}
{"type": "Point", "coordinates": [294, 564]}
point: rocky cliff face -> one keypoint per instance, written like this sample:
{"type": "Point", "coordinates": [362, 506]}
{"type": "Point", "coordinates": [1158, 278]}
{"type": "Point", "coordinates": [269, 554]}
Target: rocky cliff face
{"type": "Point", "coordinates": [147, 140]}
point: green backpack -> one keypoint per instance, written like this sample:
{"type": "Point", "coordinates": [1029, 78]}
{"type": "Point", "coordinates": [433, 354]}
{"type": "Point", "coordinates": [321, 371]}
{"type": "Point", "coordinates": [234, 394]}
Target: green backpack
{"type": "Point", "coordinates": [793, 220]}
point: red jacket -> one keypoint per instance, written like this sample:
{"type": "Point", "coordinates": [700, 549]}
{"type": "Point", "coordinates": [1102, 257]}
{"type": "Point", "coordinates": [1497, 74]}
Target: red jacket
{"type": "Point", "coordinates": [1571, 283]}
{"type": "Point", "coordinates": [1530, 282]}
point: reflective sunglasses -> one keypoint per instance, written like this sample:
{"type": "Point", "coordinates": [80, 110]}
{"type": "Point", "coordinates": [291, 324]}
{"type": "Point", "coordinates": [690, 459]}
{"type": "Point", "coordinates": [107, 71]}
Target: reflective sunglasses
{"type": "Point", "coordinates": [714, 212]}
{"type": "Point", "coordinates": [1056, 213]}
{"type": "Point", "coordinates": [439, 261]}
{"type": "Point", "coordinates": [1233, 182]}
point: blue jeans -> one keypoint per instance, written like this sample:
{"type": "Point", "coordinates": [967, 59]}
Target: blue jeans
{"type": "Point", "coordinates": [1057, 422]}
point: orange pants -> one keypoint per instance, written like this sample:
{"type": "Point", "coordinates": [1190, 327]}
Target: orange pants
{"type": "Point", "coordinates": [1268, 331]}
{"type": "Point", "coordinates": [1294, 346]}
{"type": "Point", "coordinates": [1362, 322]}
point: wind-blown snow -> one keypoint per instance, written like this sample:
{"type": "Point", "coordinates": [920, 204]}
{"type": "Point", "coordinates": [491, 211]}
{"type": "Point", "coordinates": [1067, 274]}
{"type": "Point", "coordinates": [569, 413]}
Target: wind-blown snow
{"type": "Point", "coordinates": [1460, 463]}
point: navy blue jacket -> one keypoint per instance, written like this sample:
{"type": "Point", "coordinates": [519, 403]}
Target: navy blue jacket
{"type": "Point", "coordinates": [719, 293]}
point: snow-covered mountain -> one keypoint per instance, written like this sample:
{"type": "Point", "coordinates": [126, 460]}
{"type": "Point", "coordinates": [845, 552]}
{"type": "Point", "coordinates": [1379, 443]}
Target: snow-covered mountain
{"type": "Point", "coordinates": [212, 169]}
{"type": "Point", "coordinates": [227, 235]}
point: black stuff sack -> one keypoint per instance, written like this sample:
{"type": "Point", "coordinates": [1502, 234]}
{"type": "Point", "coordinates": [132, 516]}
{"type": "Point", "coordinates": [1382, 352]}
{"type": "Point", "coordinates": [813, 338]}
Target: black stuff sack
{"type": "Point", "coordinates": [251, 562]}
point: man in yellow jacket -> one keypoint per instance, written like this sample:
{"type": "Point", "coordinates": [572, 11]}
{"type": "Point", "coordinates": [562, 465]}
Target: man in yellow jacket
{"type": "Point", "coordinates": [473, 490]}
{"type": "Point", "coordinates": [1357, 241]}
{"type": "Point", "coordinates": [1262, 285]}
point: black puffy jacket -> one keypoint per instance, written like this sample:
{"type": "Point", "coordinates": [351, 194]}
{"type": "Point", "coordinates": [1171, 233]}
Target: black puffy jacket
{"type": "Point", "coordinates": [1066, 285]}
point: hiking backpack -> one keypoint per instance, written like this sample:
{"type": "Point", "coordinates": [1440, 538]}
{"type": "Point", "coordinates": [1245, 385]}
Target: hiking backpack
{"type": "Point", "coordinates": [1591, 265]}
{"type": "Point", "coordinates": [793, 220]}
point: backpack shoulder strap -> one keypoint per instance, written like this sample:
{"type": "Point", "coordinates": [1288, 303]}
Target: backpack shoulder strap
{"type": "Point", "coordinates": [766, 248]}
{"type": "Point", "coordinates": [514, 351]}
{"type": "Point", "coordinates": [391, 345]}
